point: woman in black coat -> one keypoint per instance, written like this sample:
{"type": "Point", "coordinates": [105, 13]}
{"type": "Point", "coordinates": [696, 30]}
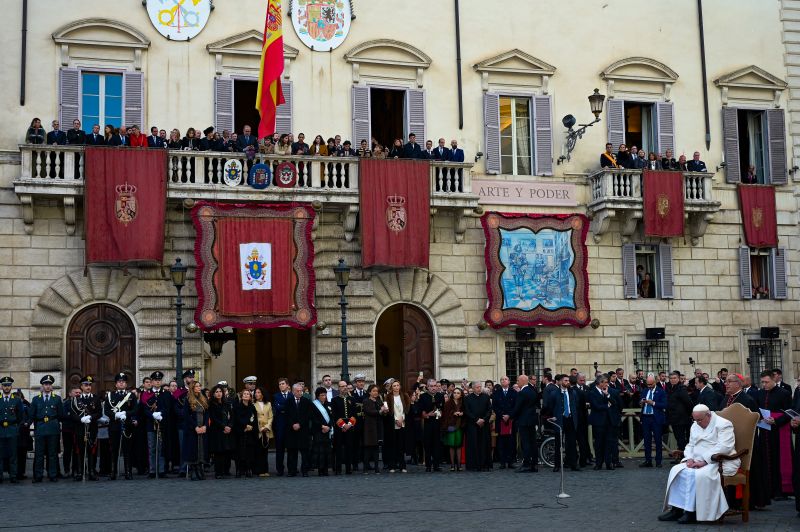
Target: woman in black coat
{"type": "Point", "coordinates": [321, 431]}
{"type": "Point", "coordinates": [195, 432]}
{"type": "Point", "coordinates": [245, 426]}
{"type": "Point", "coordinates": [220, 436]}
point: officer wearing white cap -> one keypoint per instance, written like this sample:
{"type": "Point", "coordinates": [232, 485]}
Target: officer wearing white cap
{"type": "Point", "coordinates": [47, 409]}
{"type": "Point", "coordinates": [11, 415]}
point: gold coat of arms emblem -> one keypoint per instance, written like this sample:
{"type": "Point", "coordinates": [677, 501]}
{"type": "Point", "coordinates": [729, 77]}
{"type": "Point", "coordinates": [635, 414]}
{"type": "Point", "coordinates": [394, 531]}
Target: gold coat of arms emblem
{"type": "Point", "coordinates": [662, 205]}
{"type": "Point", "coordinates": [757, 217]}
{"type": "Point", "coordinates": [125, 204]}
{"type": "Point", "coordinates": [396, 213]}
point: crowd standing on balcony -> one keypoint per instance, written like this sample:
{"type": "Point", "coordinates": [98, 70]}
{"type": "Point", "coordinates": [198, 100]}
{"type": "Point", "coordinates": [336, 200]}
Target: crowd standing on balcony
{"type": "Point", "coordinates": [247, 143]}
{"type": "Point", "coordinates": [635, 159]}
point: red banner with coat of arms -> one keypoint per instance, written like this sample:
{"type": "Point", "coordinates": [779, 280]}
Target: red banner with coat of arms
{"type": "Point", "coordinates": [663, 203]}
{"type": "Point", "coordinates": [394, 213]}
{"type": "Point", "coordinates": [758, 215]}
{"type": "Point", "coordinates": [125, 195]}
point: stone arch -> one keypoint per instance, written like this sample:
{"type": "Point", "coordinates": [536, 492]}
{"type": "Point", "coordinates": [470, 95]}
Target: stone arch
{"type": "Point", "coordinates": [382, 53]}
{"type": "Point", "coordinates": [633, 73]}
{"type": "Point", "coordinates": [430, 293]}
{"type": "Point", "coordinates": [63, 298]}
{"type": "Point", "coordinates": [75, 28]}
{"type": "Point", "coordinates": [99, 35]}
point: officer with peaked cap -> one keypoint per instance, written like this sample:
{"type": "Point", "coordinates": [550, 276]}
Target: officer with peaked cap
{"type": "Point", "coordinates": [121, 408]}
{"type": "Point", "coordinates": [11, 416]}
{"type": "Point", "coordinates": [85, 410]}
{"type": "Point", "coordinates": [156, 413]}
{"type": "Point", "coordinates": [47, 408]}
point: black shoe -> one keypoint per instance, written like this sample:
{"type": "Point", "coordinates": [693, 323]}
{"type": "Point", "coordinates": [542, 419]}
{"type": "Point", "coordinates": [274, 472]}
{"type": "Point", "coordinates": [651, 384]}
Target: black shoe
{"type": "Point", "coordinates": [687, 518]}
{"type": "Point", "coordinates": [672, 515]}
{"type": "Point", "coordinates": [598, 467]}
{"type": "Point", "coordinates": [78, 478]}
{"type": "Point", "coordinates": [575, 468]}
{"type": "Point", "coordinates": [279, 473]}
{"type": "Point", "coordinates": [151, 475]}
{"type": "Point", "coordinates": [512, 466]}
{"type": "Point", "coordinates": [129, 475]}
{"type": "Point", "coordinates": [54, 479]}
{"type": "Point", "coordinates": [292, 475]}
{"type": "Point", "coordinates": [218, 477]}
{"type": "Point", "coordinates": [610, 467]}
{"type": "Point", "coordinates": [646, 464]}
{"type": "Point", "coordinates": [437, 469]}
{"type": "Point", "coordinates": [556, 469]}
{"type": "Point", "coordinates": [14, 480]}
{"type": "Point", "coordinates": [427, 469]}
{"type": "Point", "coordinates": [37, 480]}
{"type": "Point", "coordinates": [502, 466]}
{"type": "Point", "coordinates": [305, 474]}
{"type": "Point", "coordinates": [619, 465]}
{"type": "Point", "coordinates": [658, 466]}
{"type": "Point", "coordinates": [92, 477]}
{"type": "Point", "coordinates": [524, 469]}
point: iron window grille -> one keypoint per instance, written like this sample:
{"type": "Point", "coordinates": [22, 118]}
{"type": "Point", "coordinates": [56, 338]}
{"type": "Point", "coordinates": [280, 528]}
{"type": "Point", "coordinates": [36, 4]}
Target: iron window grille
{"type": "Point", "coordinates": [764, 354]}
{"type": "Point", "coordinates": [651, 356]}
{"type": "Point", "coordinates": [524, 358]}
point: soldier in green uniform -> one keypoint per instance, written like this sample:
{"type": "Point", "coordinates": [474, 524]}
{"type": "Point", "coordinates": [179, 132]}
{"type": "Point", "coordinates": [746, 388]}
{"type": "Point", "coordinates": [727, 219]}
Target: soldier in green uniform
{"type": "Point", "coordinates": [46, 410]}
{"type": "Point", "coordinates": [11, 416]}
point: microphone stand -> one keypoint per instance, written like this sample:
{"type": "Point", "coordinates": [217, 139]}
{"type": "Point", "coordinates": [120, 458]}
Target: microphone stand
{"type": "Point", "coordinates": [561, 495]}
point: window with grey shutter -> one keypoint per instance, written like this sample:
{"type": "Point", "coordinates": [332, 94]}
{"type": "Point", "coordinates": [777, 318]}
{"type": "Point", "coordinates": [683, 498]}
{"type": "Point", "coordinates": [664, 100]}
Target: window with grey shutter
{"type": "Point", "coordinates": [776, 135]}
{"type": "Point", "coordinates": [68, 96]}
{"type": "Point", "coordinates": [133, 99]}
{"type": "Point", "coordinates": [629, 271]}
{"type": "Point", "coordinates": [745, 279]}
{"type": "Point", "coordinates": [777, 259]}
{"type": "Point", "coordinates": [543, 135]}
{"type": "Point", "coordinates": [283, 113]}
{"type": "Point", "coordinates": [665, 271]}
{"type": "Point", "coordinates": [361, 112]}
{"type": "Point", "coordinates": [730, 139]}
{"type": "Point", "coordinates": [223, 104]}
{"type": "Point", "coordinates": [616, 122]}
{"type": "Point", "coordinates": [491, 132]}
{"type": "Point", "coordinates": [415, 109]}
{"type": "Point", "coordinates": [665, 117]}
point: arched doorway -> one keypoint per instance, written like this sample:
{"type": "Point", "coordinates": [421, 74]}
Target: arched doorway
{"type": "Point", "coordinates": [101, 341]}
{"type": "Point", "coordinates": [404, 345]}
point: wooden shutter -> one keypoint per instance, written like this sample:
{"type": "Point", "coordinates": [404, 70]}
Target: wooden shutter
{"type": "Point", "coordinates": [283, 114]}
{"type": "Point", "coordinates": [415, 112]}
{"type": "Point", "coordinates": [543, 135]}
{"type": "Point", "coordinates": [133, 98]}
{"type": "Point", "coordinates": [630, 288]}
{"type": "Point", "coordinates": [745, 279]}
{"type": "Point", "coordinates": [665, 118]}
{"type": "Point", "coordinates": [730, 140]}
{"type": "Point", "coordinates": [69, 97]}
{"type": "Point", "coordinates": [361, 114]}
{"type": "Point", "coordinates": [491, 132]}
{"type": "Point", "coordinates": [777, 259]}
{"type": "Point", "coordinates": [223, 104]}
{"type": "Point", "coordinates": [776, 135]}
{"type": "Point", "coordinates": [616, 122]}
{"type": "Point", "coordinates": [665, 271]}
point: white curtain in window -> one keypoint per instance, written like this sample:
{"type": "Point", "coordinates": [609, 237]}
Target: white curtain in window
{"type": "Point", "coordinates": [523, 127]}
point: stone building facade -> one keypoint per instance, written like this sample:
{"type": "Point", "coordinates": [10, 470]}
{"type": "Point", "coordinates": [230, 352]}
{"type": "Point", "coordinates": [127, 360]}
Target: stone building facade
{"type": "Point", "coordinates": [650, 75]}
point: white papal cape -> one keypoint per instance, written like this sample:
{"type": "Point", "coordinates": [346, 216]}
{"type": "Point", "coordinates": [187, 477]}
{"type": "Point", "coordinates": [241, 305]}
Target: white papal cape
{"type": "Point", "coordinates": [704, 483]}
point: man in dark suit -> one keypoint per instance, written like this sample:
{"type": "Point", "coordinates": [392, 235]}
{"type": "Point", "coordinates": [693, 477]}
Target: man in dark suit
{"type": "Point", "coordinates": [604, 417]}
{"type": "Point", "coordinates": [456, 153]}
{"type": "Point", "coordinates": [442, 152]}
{"type": "Point", "coordinates": [638, 160]}
{"type": "Point", "coordinates": [679, 409]}
{"type": "Point", "coordinates": [120, 138]}
{"type": "Point", "coordinates": [154, 140]}
{"type": "Point", "coordinates": [412, 150]}
{"type": "Point", "coordinates": [209, 142]}
{"type": "Point", "coordinates": [581, 391]}
{"type": "Point", "coordinates": [279, 422]}
{"type": "Point", "coordinates": [95, 138]}
{"type": "Point", "coordinates": [653, 401]}
{"type": "Point", "coordinates": [526, 418]}
{"type": "Point", "coordinates": [247, 139]}
{"type": "Point", "coordinates": [56, 137]}
{"type": "Point", "coordinates": [344, 431]}
{"type": "Point", "coordinates": [76, 136]}
{"type": "Point", "coordinates": [477, 411]}
{"type": "Point", "coordinates": [719, 384]}
{"type": "Point", "coordinates": [560, 406]}
{"type": "Point", "coordinates": [707, 395]}
{"type": "Point", "coordinates": [427, 153]}
{"type": "Point", "coordinates": [430, 406]}
{"type": "Point", "coordinates": [298, 419]}
{"type": "Point", "coordinates": [778, 377]}
{"type": "Point", "coordinates": [347, 150]}
{"type": "Point", "coordinates": [504, 399]}
{"type": "Point", "coordinates": [300, 147]}
{"type": "Point", "coordinates": [696, 165]}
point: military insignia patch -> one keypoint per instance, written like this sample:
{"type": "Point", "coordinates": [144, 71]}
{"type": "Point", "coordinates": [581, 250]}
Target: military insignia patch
{"type": "Point", "coordinates": [125, 204]}
{"type": "Point", "coordinates": [256, 259]}
{"type": "Point", "coordinates": [396, 213]}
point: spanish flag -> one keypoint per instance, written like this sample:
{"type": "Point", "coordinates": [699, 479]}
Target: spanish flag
{"type": "Point", "coordinates": [270, 95]}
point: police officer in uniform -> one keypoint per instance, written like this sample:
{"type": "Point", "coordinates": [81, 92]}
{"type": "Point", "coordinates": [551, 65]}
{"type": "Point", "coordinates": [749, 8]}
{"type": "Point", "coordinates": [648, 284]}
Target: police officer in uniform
{"type": "Point", "coordinates": [85, 410]}
{"type": "Point", "coordinates": [156, 416]}
{"type": "Point", "coordinates": [122, 403]}
{"type": "Point", "coordinates": [11, 416]}
{"type": "Point", "coordinates": [344, 432]}
{"type": "Point", "coordinates": [47, 409]}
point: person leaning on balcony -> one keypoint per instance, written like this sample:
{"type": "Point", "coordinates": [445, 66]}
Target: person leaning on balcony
{"type": "Point", "coordinates": [174, 142]}
{"type": "Point", "coordinates": [397, 150]}
{"type": "Point", "coordinates": [364, 150]}
{"type": "Point", "coordinates": [36, 133]}
{"type": "Point", "coordinates": [607, 158]}
{"type": "Point", "coordinates": [318, 147]}
{"type": "Point", "coordinates": [247, 139]}
{"type": "Point", "coordinates": [300, 147]}
{"type": "Point", "coordinates": [696, 165]}
{"type": "Point", "coordinates": [751, 177]}
{"type": "Point", "coordinates": [668, 162]}
{"type": "Point", "coordinates": [56, 137]}
{"type": "Point", "coordinates": [137, 139]}
{"type": "Point", "coordinates": [266, 146]}
{"type": "Point", "coordinates": [623, 156]}
{"type": "Point", "coordinates": [190, 142]}
{"type": "Point", "coordinates": [639, 162]}
{"type": "Point", "coordinates": [76, 136]}
{"type": "Point", "coordinates": [283, 147]}
{"type": "Point", "coordinates": [456, 153]}
{"type": "Point", "coordinates": [95, 138]}
{"type": "Point", "coordinates": [210, 143]}
{"type": "Point", "coordinates": [379, 152]}
{"type": "Point", "coordinates": [412, 150]}
{"type": "Point", "coordinates": [330, 149]}
{"type": "Point", "coordinates": [347, 150]}
{"type": "Point", "coordinates": [652, 162]}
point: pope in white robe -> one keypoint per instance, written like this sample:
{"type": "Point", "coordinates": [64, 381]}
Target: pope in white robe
{"type": "Point", "coordinates": [694, 485]}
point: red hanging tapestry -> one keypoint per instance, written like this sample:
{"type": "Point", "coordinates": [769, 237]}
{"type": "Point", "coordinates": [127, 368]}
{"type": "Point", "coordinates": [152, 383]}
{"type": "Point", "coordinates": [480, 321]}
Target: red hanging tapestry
{"type": "Point", "coordinates": [663, 203]}
{"type": "Point", "coordinates": [758, 215]}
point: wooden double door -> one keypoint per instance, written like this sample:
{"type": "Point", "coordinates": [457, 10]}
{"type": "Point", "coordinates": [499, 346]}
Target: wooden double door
{"type": "Point", "coordinates": [404, 342]}
{"type": "Point", "coordinates": [101, 341]}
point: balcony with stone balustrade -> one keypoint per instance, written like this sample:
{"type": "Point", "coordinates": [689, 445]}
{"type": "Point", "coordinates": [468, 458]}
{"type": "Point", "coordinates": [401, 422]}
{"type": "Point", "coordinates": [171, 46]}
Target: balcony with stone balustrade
{"type": "Point", "coordinates": [617, 193]}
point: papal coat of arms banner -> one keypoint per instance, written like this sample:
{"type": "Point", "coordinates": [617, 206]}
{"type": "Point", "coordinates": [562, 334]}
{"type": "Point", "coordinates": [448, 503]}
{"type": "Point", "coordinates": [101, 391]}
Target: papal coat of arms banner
{"type": "Point", "coordinates": [322, 25]}
{"type": "Point", "coordinates": [536, 269]}
{"type": "Point", "coordinates": [179, 20]}
{"type": "Point", "coordinates": [254, 265]}
{"type": "Point", "coordinates": [394, 210]}
{"type": "Point", "coordinates": [663, 203]}
{"type": "Point", "coordinates": [125, 204]}
{"type": "Point", "coordinates": [758, 215]}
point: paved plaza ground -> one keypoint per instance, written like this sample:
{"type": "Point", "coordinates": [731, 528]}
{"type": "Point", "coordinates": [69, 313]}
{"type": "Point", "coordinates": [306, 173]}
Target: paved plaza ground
{"type": "Point", "coordinates": [627, 499]}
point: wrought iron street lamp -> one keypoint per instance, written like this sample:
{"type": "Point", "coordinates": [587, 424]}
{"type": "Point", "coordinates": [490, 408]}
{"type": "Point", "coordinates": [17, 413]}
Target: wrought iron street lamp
{"type": "Point", "coordinates": [342, 272]}
{"type": "Point", "coordinates": [178, 273]}
{"type": "Point", "coordinates": [596, 105]}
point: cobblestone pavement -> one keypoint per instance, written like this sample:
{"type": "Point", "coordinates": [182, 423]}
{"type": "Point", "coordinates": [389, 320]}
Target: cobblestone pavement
{"type": "Point", "coordinates": [624, 499]}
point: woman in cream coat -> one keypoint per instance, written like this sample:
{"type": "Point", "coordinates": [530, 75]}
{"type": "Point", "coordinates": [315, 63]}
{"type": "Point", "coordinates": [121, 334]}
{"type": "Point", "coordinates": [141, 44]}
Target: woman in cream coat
{"type": "Point", "coordinates": [264, 411]}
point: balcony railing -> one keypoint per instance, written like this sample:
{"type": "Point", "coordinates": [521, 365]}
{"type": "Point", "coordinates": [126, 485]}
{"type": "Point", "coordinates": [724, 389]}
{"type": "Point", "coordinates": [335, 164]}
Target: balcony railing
{"type": "Point", "coordinates": [59, 171]}
{"type": "Point", "coordinates": [618, 192]}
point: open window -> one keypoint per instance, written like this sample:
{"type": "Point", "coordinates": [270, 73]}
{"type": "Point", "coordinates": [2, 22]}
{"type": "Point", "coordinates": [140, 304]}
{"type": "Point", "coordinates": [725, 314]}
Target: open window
{"type": "Point", "coordinates": [755, 145]}
{"type": "Point", "coordinates": [234, 105]}
{"type": "Point", "coordinates": [647, 271]}
{"type": "Point", "coordinates": [762, 273]}
{"type": "Point", "coordinates": [100, 97]}
{"type": "Point", "coordinates": [518, 134]}
{"type": "Point", "coordinates": [387, 113]}
{"type": "Point", "coordinates": [648, 125]}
